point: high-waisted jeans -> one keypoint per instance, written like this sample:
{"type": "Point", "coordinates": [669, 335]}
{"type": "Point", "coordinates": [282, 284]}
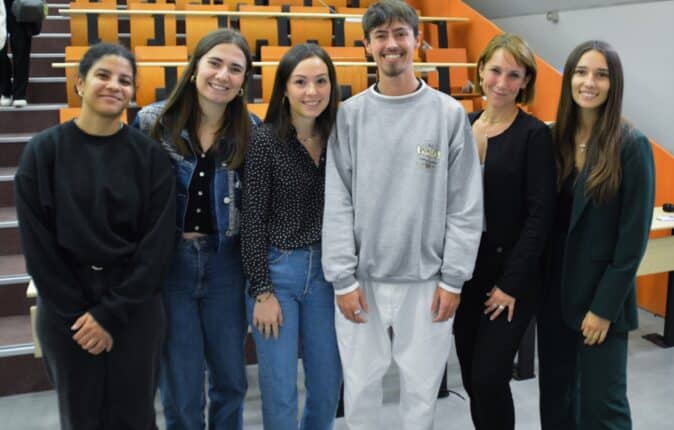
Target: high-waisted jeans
{"type": "Point", "coordinates": [308, 307]}
{"type": "Point", "coordinates": [205, 310]}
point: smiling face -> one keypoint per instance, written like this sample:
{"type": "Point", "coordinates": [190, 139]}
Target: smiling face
{"type": "Point", "coordinates": [108, 86]}
{"type": "Point", "coordinates": [308, 89]}
{"type": "Point", "coordinates": [220, 74]}
{"type": "Point", "coordinates": [502, 79]}
{"type": "Point", "coordinates": [392, 45]}
{"type": "Point", "coordinates": [590, 82]}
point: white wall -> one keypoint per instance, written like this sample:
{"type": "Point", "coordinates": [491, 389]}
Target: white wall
{"type": "Point", "coordinates": [493, 9]}
{"type": "Point", "coordinates": [643, 35]}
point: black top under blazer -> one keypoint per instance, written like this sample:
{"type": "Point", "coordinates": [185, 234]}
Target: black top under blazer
{"type": "Point", "coordinates": [519, 205]}
{"type": "Point", "coordinates": [605, 242]}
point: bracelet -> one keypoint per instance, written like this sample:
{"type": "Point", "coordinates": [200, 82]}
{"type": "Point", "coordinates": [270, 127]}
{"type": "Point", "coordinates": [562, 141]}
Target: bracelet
{"type": "Point", "coordinates": [267, 296]}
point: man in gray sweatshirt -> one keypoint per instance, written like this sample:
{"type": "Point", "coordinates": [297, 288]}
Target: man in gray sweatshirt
{"type": "Point", "coordinates": [402, 224]}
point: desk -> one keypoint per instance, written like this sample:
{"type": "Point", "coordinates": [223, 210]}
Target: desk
{"type": "Point", "coordinates": [658, 258]}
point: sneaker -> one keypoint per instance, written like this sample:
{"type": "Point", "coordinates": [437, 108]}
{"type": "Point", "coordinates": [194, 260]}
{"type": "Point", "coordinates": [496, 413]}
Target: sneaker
{"type": "Point", "coordinates": [19, 103]}
{"type": "Point", "coordinates": [6, 101]}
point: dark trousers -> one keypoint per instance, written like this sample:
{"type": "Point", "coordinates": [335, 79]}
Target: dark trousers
{"type": "Point", "coordinates": [486, 350]}
{"type": "Point", "coordinates": [111, 391]}
{"type": "Point", "coordinates": [19, 38]}
{"type": "Point", "coordinates": [581, 387]}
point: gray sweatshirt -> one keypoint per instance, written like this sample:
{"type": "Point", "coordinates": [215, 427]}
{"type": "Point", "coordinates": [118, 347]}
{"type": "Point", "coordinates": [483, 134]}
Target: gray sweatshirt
{"type": "Point", "coordinates": [403, 192]}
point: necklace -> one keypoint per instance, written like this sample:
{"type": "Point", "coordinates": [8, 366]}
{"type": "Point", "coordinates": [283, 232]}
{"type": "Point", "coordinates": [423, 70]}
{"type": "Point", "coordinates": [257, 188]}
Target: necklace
{"type": "Point", "coordinates": [306, 140]}
{"type": "Point", "coordinates": [581, 147]}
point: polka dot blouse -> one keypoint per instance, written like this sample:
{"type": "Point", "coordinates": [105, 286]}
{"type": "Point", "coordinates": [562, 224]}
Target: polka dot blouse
{"type": "Point", "coordinates": [283, 198]}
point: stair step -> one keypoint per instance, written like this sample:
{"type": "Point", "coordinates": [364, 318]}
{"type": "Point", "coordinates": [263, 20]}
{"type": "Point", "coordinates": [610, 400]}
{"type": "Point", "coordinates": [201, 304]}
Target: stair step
{"type": "Point", "coordinates": [51, 89]}
{"type": "Point", "coordinates": [8, 218]}
{"type": "Point", "coordinates": [40, 64]}
{"type": "Point", "coordinates": [56, 23]}
{"type": "Point", "coordinates": [10, 240]}
{"type": "Point", "coordinates": [15, 330]}
{"type": "Point", "coordinates": [7, 174]}
{"type": "Point", "coordinates": [29, 119]}
{"type": "Point", "coordinates": [50, 42]}
{"type": "Point", "coordinates": [13, 270]}
{"type": "Point", "coordinates": [11, 146]}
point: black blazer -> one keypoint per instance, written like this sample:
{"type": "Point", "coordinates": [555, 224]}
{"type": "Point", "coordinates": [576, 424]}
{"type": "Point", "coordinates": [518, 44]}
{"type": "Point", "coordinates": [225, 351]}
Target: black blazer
{"type": "Point", "coordinates": [605, 242]}
{"type": "Point", "coordinates": [519, 204]}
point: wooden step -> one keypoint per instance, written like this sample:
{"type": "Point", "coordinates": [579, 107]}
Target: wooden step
{"type": "Point", "coordinates": [11, 146]}
{"type": "Point", "coordinates": [28, 119]}
{"type": "Point", "coordinates": [51, 89]}
{"type": "Point", "coordinates": [40, 64]}
{"type": "Point", "coordinates": [20, 371]}
{"type": "Point", "coordinates": [6, 196]}
{"type": "Point", "coordinates": [12, 270]}
{"type": "Point", "coordinates": [50, 42]}
{"type": "Point", "coordinates": [15, 329]}
{"type": "Point", "coordinates": [10, 241]}
{"type": "Point", "coordinates": [56, 23]}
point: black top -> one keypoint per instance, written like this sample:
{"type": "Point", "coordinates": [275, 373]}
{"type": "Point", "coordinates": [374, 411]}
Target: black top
{"type": "Point", "coordinates": [283, 198]}
{"type": "Point", "coordinates": [86, 201]}
{"type": "Point", "coordinates": [198, 216]}
{"type": "Point", "coordinates": [519, 204]}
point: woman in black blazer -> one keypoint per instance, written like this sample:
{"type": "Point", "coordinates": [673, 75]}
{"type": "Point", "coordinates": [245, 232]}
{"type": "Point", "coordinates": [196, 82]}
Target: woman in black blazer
{"type": "Point", "coordinates": [606, 182]}
{"type": "Point", "coordinates": [519, 198]}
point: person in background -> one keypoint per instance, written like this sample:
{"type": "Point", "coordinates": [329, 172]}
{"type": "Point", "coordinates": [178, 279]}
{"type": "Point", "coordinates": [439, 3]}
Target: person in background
{"type": "Point", "coordinates": [403, 219]}
{"type": "Point", "coordinates": [96, 208]}
{"type": "Point", "coordinates": [605, 176]}
{"type": "Point", "coordinates": [498, 304]}
{"type": "Point", "coordinates": [205, 127]}
{"type": "Point", "coordinates": [14, 74]}
{"type": "Point", "coordinates": [3, 27]}
{"type": "Point", "coordinates": [289, 301]}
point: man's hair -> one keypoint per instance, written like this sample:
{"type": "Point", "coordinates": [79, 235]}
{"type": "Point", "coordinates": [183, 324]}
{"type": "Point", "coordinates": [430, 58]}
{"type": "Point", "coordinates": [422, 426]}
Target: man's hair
{"type": "Point", "coordinates": [387, 11]}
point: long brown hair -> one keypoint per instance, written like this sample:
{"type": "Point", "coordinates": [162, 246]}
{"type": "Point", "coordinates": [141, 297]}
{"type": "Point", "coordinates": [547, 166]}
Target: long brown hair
{"type": "Point", "coordinates": [602, 162]}
{"type": "Point", "coordinates": [181, 110]}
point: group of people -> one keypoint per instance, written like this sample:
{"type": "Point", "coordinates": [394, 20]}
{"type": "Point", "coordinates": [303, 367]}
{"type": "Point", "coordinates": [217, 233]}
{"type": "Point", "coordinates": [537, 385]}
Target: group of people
{"type": "Point", "coordinates": [349, 235]}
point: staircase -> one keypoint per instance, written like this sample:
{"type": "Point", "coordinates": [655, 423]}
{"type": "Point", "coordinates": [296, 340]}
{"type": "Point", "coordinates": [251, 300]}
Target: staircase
{"type": "Point", "coordinates": [20, 371]}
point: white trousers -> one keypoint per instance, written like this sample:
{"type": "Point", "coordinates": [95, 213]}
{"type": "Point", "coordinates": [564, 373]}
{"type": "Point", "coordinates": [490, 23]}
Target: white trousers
{"type": "Point", "coordinates": [419, 347]}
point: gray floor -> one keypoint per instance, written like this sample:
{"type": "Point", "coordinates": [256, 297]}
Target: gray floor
{"type": "Point", "coordinates": [651, 390]}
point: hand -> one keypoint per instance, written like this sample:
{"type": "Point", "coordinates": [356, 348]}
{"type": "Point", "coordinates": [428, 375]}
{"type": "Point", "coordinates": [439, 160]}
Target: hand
{"type": "Point", "coordinates": [594, 328]}
{"type": "Point", "coordinates": [497, 302]}
{"type": "Point", "coordinates": [352, 305]}
{"type": "Point", "coordinates": [444, 304]}
{"type": "Point", "coordinates": [267, 316]}
{"type": "Point", "coordinates": [91, 336]}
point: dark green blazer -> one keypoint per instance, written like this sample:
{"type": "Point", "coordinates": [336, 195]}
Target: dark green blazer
{"type": "Point", "coordinates": [606, 242]}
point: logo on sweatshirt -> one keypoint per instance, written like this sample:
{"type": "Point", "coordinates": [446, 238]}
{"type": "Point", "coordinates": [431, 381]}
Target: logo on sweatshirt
{"type": "Point", "coordinates": [428, 155]}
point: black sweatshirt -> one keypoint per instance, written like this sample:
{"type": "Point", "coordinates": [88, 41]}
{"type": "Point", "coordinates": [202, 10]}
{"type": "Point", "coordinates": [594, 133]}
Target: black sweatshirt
{"type": "Point", "coordinates": [103, 201]}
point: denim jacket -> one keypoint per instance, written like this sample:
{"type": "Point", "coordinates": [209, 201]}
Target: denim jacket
{"type": "Point", "coordinates": [226, 192]}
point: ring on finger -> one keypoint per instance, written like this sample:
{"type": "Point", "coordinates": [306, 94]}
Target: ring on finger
{"type": "Point", "coordinates": [500, 307]}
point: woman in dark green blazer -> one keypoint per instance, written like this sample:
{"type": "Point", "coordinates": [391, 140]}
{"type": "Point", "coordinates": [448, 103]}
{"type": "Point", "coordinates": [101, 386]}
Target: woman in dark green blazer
{"type": "Point", "coordinates": [606, 184]}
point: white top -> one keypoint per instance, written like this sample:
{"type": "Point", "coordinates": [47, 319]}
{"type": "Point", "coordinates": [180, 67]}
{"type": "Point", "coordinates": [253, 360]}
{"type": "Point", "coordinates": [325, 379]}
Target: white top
{"type": "Point", "coordinates": [3, 25]}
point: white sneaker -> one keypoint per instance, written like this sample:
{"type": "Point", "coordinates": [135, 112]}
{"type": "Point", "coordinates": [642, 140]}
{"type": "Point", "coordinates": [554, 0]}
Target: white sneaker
{"type": "Point", "coordinates": [19, 103]}
{"type": "Point", "coordinates": [5, 101]}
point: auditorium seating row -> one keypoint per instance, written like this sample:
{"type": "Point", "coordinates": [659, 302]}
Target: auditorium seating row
{"type": "Point", "coordinates": [153, 39]}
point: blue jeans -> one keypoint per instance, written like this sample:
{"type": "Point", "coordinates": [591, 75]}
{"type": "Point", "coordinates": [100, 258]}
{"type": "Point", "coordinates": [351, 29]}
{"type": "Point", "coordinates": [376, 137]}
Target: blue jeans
{"type": "Point", "coordinates": [308, 306]}
{"type": "Point", "coordinates": [206, 328]}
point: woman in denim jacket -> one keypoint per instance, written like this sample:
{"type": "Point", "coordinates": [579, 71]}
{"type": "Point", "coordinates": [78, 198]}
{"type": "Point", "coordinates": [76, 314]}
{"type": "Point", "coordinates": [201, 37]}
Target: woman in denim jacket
{"type": "Point", "coordinates": [205, 127]}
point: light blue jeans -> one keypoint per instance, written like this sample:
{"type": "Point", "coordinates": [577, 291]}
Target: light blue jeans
{"type": "Point", "coordinates": [206, 327]}
{"type": "Point", "coordinates": [308, 306]}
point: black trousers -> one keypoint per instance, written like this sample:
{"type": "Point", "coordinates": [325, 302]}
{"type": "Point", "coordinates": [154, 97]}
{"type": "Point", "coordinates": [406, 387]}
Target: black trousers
{"type": "Point", "coordinates": [111, 391]}
{"type": "Point", "coordinates": [19, 38]}
{"type": "Point", "coordinates": [581, 387]}
{"type": "Point", "coordinates": [486, 350]}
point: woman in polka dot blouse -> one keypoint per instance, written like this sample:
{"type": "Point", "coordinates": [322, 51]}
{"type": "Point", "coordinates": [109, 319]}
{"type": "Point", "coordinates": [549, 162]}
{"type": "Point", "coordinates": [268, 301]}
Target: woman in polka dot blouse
{"type": "Point", "coordinates": [289, 302]}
